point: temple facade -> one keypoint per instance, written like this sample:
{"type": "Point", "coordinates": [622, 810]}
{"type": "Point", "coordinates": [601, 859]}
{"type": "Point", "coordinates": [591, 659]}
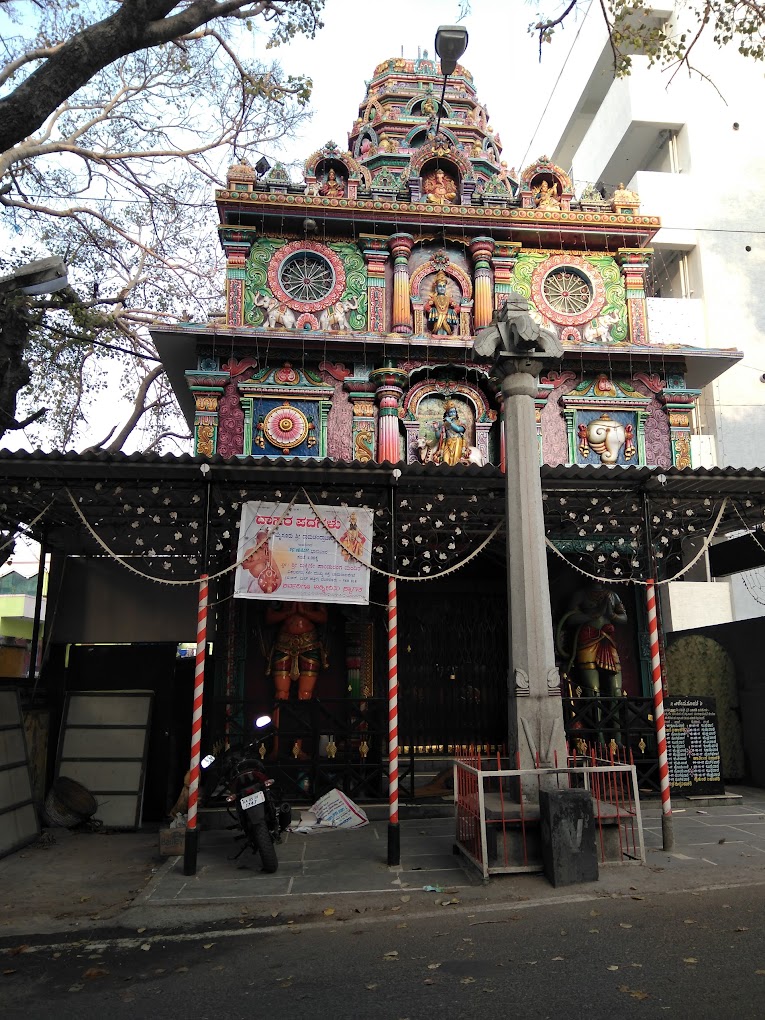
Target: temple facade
{"type": "Point", "coordinates": [353, 297]}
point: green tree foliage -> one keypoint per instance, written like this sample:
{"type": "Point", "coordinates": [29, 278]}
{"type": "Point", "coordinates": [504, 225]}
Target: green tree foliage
{"type": "Point", "coordinates": [116, 122]}
{"type": "Point", "coordinates": [634, 30]}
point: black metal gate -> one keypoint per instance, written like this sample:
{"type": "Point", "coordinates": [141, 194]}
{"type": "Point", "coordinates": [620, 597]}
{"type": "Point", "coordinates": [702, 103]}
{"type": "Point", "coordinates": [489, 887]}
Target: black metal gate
{"type": "Point", "coordinates": [452, 659]}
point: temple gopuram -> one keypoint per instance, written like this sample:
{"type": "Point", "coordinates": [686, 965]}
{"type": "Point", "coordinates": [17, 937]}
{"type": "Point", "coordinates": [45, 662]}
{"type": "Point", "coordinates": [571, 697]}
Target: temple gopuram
{"type": "Point", "coordinates": [352, 300]}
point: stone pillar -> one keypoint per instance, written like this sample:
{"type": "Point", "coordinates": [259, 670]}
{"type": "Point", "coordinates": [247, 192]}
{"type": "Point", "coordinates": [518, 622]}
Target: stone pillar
{"type": "Point", "coordinates": [237, 246]}
{"type": "Point", "coordinates": [505, 255]}
{"type": "Point", "coordinates": [389, 382]}
{"type": "Point", "coordinates": [375, 252]}
{"type": "Point", "coordinates": [634, 264]}
{"type": "Point", "coordinates": [482, 249]}
{"type": "Point", "coordinates": [401, 245]}
{"type": "Point", "coordinates": [535, 723]}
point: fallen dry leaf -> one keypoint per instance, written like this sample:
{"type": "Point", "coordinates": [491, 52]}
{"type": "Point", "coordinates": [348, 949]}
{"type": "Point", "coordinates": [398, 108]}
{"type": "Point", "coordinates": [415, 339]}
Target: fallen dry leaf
{"type": "Point", "coordinates": [76, 988]}
{"type": "Point", "coordinates": [94, 972]}
{"type": "Point", "coordinates": [12, 970]}
{"type": "Point", "coordinates": [690, 959]}
{"type": "Point", "coordinates": [433, 966]}
{"type": "Point", "coordinates": [274, 913]}
{"type": "Point", "coordinates": [140, 931]}
{"type": "Point", "coordinates": [760, 972]}
{"type": "Point", "coordinates": [467, 981]}
{"type": "Point", "coordinates": [405, 899]}
{"type": "Point", "coordinates": [329, 911]}
{"type": "Point", "coordinates": [741, 927]}
{"type": "Point", "coordinates": [181, 970]}
{"type": "Point", "coordinates": [146, 947]}
{"type": "Point", "coordinates": [613, 967]}
{"type": "Point", "coordinates": [208, 945]}
{"type": "Point", "coordinates": [688, 921]}
{"type": "Point", "coordinates": [633, 992]}
{"type": "Point", "coordinates": [558, 958]}
{"type": "Point", "coordinates": [623, 925]}
{"type": "Point", "coordinates": [16, 950]}
{"type": "Point", "coordinates": [594, 931]}
{"type": "Point", "coordinates": [391, 955]}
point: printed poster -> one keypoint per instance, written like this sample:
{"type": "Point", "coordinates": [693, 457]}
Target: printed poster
{"type": "Point", "coordinates": [295, 557]}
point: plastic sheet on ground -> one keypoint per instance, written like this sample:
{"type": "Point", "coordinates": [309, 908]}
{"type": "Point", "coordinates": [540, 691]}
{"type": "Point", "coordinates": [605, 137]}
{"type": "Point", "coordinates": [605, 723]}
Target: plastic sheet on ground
{"type": "Point", "coordinates": [332, 811]}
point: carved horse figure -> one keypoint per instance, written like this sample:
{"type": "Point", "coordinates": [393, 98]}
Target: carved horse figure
{"type": "Point", "coordinates": [275, 311]}
{"type": "Point", "coordinates": [336, 316]}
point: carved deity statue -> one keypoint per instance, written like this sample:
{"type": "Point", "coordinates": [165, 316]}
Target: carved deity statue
{"type": "Point", "coordinates": [547, 197]}
{"type": "Point", "coordinates": [451, 436]}
{"type": "Point", "coordinates": [591, 616]}
{"type": "Point", "coordinates": [440, 310]}
{"type": "Point", "coordinates": [440, 188]}
{"type": "Point", "coordinates": [333, 187]}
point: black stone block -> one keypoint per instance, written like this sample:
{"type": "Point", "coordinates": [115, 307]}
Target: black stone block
{"type": "Point", "coordinates": [567, 826]}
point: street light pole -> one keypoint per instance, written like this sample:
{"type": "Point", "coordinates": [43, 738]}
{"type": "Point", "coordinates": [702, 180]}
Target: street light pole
{"type": "Point", "coordinates": [451, 43]}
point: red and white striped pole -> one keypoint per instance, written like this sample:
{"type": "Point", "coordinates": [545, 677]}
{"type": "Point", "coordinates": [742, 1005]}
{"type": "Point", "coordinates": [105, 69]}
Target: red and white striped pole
{"type": "Point", "coordinates": [658, 714]}
{"type": "Point", "coordinates": [192, 833]}
{"type": "Point", "coordinates": [394, 836]}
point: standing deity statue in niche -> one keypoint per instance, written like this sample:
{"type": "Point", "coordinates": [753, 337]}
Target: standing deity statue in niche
{"type": "Point", "coordinates": [547, 197]}
{"type": "Point", "coordinates": [591, 616]}
{"type": "Point", "coordinates": [333, 187]}
{"type": "Point", "coordinates": [440, 188]}
{"type": "Point", "coordinates": [451, 436]}
{"type": "Point", "coordinates": [297, 653]}
{"type": "Point", "coordinates": [440, 310]}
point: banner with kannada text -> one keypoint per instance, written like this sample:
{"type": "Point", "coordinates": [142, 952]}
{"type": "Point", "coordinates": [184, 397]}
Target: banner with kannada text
{"type": "Point", "coordinates": [294, 557]}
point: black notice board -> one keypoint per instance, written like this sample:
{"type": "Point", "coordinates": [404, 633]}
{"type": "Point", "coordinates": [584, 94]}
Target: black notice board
{"type": "Point", "coordinates": [693, 745]}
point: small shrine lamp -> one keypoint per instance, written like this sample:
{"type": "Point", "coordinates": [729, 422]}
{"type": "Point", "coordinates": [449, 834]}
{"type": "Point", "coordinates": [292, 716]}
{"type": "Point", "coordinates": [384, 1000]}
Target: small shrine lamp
{"type": "Point", "coordinates": [451, 43]}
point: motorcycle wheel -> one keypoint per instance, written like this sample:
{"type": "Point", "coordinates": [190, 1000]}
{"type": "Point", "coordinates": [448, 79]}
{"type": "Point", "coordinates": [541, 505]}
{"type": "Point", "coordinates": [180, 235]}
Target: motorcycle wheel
{"type": "Point", "coordinates": [262, 842]}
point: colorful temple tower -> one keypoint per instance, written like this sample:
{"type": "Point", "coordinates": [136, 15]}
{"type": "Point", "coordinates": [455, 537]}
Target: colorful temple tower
{"type": "Point", "coordinates": [352, 300]}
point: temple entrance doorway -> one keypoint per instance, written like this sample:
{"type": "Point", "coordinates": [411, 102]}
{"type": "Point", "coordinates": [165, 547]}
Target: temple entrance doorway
{"type": "Point", "coordinates": [452, 658]}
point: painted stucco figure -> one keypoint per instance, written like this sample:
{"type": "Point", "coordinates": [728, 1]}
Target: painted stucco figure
{"type": "Point", "coordinates": [546, 197]}
{"type": "Point", "coordinates": [451, 436]}
{"type": "Point", "coordinates": [333, 187]}
{"type": "Point", "coordinates": [440, 310]}
{"type": "Point", "coordinates": [298, 653]}
{"type": "Point", "coordinates": [440, 188]}
{"type": "Point", "coordinates": [591, 618]}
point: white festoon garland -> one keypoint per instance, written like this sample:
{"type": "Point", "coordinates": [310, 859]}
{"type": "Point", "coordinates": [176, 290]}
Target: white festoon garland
{"type": "Point", "coordinates": [195, 581]}
{"type": "Point", "coordinates": [162, 580]}
{"type": "Point", "coordinates": [405, 577]}
{"type": "Point", "coordinates": [378, 570]}
{"type": "Point", "coordinates": [635, 580]}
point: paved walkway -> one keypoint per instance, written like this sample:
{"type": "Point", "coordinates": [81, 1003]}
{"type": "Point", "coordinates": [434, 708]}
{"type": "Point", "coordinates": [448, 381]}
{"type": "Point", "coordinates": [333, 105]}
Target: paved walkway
{"type": "Point", "coordinates": [73, 881]}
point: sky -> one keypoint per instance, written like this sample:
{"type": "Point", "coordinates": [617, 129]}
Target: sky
{"type": "Point", "coordinates": [357, 35]}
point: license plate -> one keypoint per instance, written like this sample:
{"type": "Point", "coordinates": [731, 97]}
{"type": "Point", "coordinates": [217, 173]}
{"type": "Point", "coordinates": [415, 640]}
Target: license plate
{"type": "Point", "coordinates": [252, 799]}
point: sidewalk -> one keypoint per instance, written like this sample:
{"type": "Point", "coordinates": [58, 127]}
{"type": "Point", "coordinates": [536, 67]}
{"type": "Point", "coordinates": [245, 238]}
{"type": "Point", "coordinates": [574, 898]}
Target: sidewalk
{"type": "Point", "coordinates": [83, 881]}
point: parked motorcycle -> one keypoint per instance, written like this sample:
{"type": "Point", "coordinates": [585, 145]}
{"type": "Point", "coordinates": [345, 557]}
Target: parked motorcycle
{"type": "Point", "coordinates": [253, 800]}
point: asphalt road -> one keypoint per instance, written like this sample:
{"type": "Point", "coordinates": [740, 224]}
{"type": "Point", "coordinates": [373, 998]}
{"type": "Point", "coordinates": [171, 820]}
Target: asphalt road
{"type": "Point", "coordinates": [689, 955]}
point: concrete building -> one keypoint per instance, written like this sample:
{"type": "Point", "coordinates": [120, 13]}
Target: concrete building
{"type": "Point", "coordinates": [694, 151]}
